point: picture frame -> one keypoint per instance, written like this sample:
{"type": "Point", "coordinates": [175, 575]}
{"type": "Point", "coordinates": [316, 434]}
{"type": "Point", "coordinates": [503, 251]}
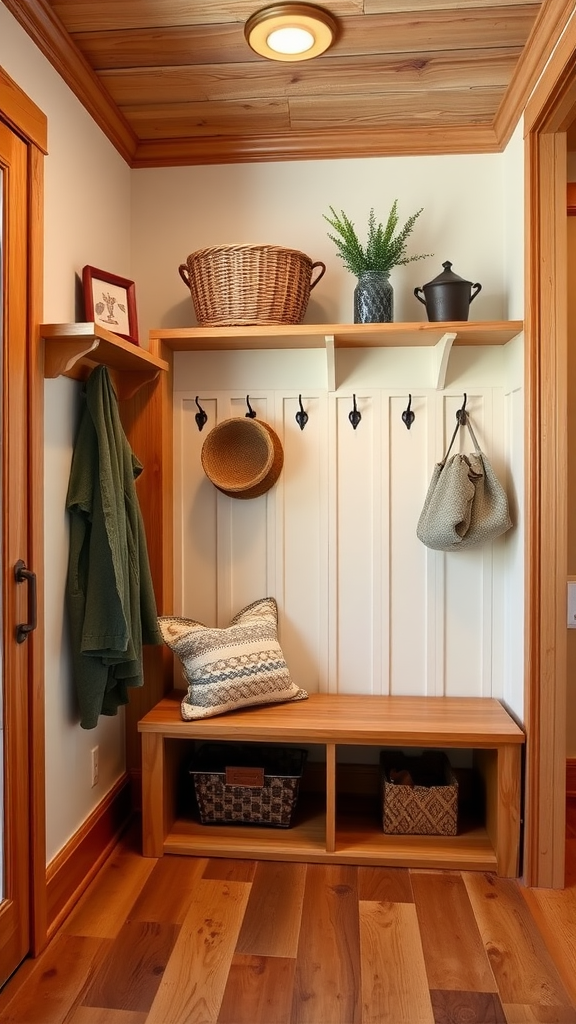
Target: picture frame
{"type": "Point", "coordinates": [110, 302]}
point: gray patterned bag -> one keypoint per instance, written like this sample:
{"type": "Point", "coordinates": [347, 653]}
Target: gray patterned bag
{"type": "Point", "coordinates": [466, 504]}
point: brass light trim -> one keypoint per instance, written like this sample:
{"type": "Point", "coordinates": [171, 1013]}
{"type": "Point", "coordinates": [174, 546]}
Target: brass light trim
{"type": "Point", "coordinates": [313, 26]}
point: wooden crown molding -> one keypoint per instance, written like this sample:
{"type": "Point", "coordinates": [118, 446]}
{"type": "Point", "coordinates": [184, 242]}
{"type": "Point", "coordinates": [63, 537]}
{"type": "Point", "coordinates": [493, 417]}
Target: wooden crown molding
{"type": "Point", "coordinates": [318, 146]}
{"type": "Point", "coordinates": [551, 105]}
{"type": "Point", "coordinates": [550, 23]}
{"type": "Point", "coordinates": [46, 30]}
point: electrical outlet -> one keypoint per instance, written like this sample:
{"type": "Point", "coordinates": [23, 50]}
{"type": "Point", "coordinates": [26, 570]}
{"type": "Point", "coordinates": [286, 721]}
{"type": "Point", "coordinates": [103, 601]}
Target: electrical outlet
{"type": "Point", "coordinates": [94, 764]}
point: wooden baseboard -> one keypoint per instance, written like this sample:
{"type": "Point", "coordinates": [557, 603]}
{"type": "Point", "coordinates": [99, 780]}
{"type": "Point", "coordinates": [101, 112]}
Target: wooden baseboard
{"type": "Point", "coordinates": [73, 868]}
{"type": "Point", "coordinates": [571, 776]}
{"type": "Point", "coordinates": [135, 777]}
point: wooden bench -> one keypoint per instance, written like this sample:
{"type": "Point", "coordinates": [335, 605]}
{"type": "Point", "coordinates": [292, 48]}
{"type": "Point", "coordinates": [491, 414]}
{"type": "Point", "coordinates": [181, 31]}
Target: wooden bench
{"type": "Point", "coordinates": [325, 830]}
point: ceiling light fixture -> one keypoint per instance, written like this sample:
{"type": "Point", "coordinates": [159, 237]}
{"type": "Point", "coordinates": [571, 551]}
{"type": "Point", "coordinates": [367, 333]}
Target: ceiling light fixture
{"type": "Point", "coordinates": [290, 31]}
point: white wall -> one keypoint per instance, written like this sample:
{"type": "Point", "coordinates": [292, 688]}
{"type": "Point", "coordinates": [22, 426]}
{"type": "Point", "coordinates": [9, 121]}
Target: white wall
{"type": "Point", "coordinates": [87, 221]}
{"type": "Point", "coordinates": [179, 210]}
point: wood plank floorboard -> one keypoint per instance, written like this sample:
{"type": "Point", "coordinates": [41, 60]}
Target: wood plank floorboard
{"type": "Point", "coordinates": [454, 954]}
{"type": "Point", "coordinates": [258, 990]}
{"type": "Point", "coordinates": [327, 977]}
{"type": "Point", "coordinates": [185, 940]}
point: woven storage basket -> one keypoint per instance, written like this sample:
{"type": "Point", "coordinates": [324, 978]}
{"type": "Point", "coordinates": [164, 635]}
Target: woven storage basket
{"type": "Point", "coordinates": [247, 784]}
{"type": "Point", "coordinates": [272, 475]}
{"type": "Point", "coordinates": [242, 457]}
{"type": "Point", "coordinates": [240, 285]}
{"type": "Point", "coordinates": [421, 809]}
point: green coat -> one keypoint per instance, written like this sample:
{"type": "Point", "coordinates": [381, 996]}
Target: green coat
{"type": "Point", "coordinates": [110, 598]}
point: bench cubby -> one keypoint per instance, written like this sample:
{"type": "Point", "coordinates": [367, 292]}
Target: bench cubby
{"type": "Point", "coordinates": [327, 829]}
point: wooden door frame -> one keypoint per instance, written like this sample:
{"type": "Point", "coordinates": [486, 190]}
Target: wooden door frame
{"type": "Point", "coordinates": [549, 113]}
{"type": "Point", "coordinates": [28, 121]}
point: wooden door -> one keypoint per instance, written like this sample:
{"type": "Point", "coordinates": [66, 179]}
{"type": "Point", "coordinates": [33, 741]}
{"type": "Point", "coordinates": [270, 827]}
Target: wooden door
{"type": "Point", "coordinates": [547, 118]}
{"type": "Point", "coordinates": [16, 597]}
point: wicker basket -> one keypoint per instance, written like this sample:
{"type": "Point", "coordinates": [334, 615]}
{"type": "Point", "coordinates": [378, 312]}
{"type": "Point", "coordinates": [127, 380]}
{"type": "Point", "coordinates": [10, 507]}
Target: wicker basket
{"type": "Point", "coordinates": [271, 476]}
{"type": "Point", "coordinates": [430, 806]}
{"type": "Point", "coordinates": [247, 784]}
{"type": "Point", "coordinates": [243, 285]}
{"type": "Point", "coordinates": [242, 457]}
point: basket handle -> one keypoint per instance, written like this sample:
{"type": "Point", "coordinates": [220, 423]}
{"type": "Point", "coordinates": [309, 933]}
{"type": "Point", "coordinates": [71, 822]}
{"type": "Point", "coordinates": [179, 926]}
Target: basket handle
{"type": "Point", "coordinates": [320, 275]}
{"type": "Point", "coordinates": [184, 274]}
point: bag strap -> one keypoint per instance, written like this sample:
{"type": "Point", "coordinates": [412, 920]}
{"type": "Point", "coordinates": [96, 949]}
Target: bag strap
{"type": "Point", "coordinates": [473, 435]}
{"type": "Point", "coordinates": [459, 424]}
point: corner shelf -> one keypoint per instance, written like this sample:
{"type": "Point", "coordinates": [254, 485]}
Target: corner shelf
{"type": "Point", "coordinates": [331, 337]}
{"type": "Point", "coordinates": [73, 350]}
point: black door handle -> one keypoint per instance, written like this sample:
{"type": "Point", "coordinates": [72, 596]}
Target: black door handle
{"type": "Point", "coordinates": [22, 574]}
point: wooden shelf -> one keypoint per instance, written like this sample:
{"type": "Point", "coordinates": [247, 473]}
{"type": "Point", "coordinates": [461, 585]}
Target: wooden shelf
{"type": "Point", "coordinates": [331, 337]}
{"type": "Point", "coordinates": [73, 350]}
{"type": "Point", "coordinates": [327, 832]}
{"type": "Point", "coordinates": [214, 339]}
{"type": "Point", "coordinates": [358, 840]}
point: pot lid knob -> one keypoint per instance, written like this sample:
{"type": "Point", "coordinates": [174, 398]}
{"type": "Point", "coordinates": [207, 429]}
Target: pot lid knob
{"type": "Point", "coordinates": [448, 276]}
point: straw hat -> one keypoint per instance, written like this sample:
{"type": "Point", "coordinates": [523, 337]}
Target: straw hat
{"type": "Point", "coordinates": [242, 457]}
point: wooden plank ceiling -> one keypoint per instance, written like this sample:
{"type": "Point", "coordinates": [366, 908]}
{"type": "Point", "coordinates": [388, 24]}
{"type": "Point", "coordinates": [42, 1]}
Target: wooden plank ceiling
{"type": "Point", "coordinates": [174, 81]}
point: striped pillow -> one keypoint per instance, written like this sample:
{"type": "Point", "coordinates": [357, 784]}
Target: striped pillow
{"type": "Point", "coordinates": [235, 667]}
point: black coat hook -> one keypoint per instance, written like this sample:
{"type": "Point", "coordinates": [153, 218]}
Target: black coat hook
{"type": "Point", "coordinates": [251, 415]}
{"type": "Point", "coordinates": [301, 416]}
{"type": "Point", "coordinates": [354, 416]}
{"type": "Point", "coordinates": [461, 413]}
{"type": "Point", "coordinates": [408, 416]}
{"type": "Point", "coordinates": [200, 417]}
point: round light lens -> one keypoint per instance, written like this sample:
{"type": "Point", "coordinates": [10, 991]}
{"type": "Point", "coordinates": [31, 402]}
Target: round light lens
{"type": "Point", "coordinates": [290, 31]}
{"type": "Point", "coordinates": [290, 39]}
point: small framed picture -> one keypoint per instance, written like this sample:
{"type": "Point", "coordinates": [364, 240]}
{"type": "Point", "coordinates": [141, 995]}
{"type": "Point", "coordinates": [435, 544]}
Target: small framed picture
{"type": "Point", "coordinates": [110, 301]}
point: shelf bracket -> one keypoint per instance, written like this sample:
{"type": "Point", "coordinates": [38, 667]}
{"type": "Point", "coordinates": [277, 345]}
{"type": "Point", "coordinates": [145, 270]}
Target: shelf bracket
{"type": "Point", "coordinates": [61, 358]}
{"type": "Point", "coordinates": [442, 351]}
{"type": "Point", "coordinates": [128, 384]}
{"type": "Point", "coordinates": [330, 361]}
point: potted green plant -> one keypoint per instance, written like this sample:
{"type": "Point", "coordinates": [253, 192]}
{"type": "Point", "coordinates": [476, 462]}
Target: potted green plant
{"type": "Point", "coordinates": [385, 248]}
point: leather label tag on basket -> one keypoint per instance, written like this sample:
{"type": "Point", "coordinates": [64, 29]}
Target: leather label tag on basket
{"type": "Point", "coordinates": [245, 777]}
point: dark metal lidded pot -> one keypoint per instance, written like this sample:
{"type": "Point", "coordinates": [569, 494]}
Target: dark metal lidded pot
{"type": "Point", "coordinates": [448, 296]}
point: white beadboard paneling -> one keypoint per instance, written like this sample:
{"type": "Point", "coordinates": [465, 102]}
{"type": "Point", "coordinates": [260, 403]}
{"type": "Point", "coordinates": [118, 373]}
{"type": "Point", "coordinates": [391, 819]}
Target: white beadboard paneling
{"type": "Point", "coordinates": [512, 582]}
{"type": "Point", "coordinates": [498, 454]}
{"type": "Point", "coordinates": [356, 526]}
{"type": "Point", "coordinates": [468, 593]}
{"type": "Point", "coordinates": [194, 515]}
{"type": "Point", "coordinates": [246, 535]}
{"type": "Point", "coordinates": [283, 369]}
{"type": "Point", "coordinates": [413, 369]}
{"type": "Point", "coordinates": [388, 368]}
{"type": "Point", "coordinates": [406, 596]}
{"type": "Point", "coordinates": [364, 606]}
{"type": "Point", "coordinates": [463, 596]}
{"type": "Point", "coordinates": [463, 579]}
{"type": "Point", "coordinates": [243, 554]}
{"type": "Point", "coordinates": [302, 541]}
{"type": "Point", "coordinates": [470, 367]}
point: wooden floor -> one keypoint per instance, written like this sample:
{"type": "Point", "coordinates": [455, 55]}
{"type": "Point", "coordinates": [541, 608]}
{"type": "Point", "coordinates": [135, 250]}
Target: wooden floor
{"type": "Point", "coordinates": [186, 940]}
